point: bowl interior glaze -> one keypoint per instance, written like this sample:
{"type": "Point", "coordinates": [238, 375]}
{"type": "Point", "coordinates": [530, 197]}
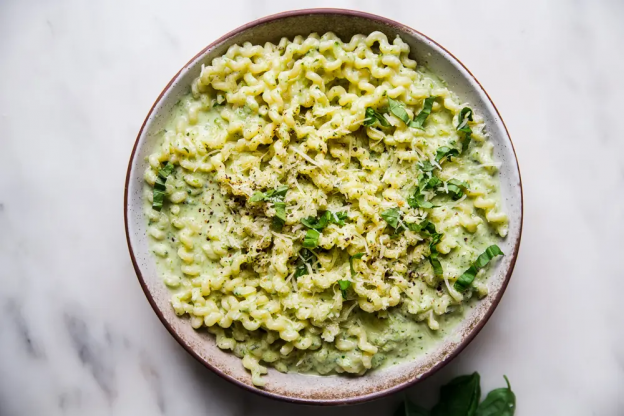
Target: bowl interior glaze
{"type": "Point", "coordinates": [306, 388]}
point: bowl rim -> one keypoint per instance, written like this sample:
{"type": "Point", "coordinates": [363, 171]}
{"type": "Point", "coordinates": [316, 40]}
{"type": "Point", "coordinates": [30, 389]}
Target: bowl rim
{"type": "Point", "coordinates": [310, 401]}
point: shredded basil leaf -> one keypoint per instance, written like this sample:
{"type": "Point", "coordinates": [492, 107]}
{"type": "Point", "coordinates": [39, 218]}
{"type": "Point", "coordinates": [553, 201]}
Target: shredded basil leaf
{"type": "Point", "coordinates": [274, 195]}
{"type": "Point", "coordinates": [355, 256]}
{"type": "Point", "coordinates": [420, 119]}
{"type": "Point", "coordinates": [465, 115]}
{"type": "Point", "coordinates": [326, 218]}
{"type": "Point", "coordinates": [305, 257]}
{"type": "Point", "coordinates": [372, 116]}
{"type": "Point", "coordinates": [392, 217]}
{"type": "Point", "coordinates": [398, 110]}
{"type": "Point", "coordinates": [344, 285]}
{"type": "Point", "coordinates": [466, 279]}
{"type": "Point", "coordinates": [311, 238]}
{"type": "Point", "coordinates": [280, 215]}
{"type": "Point", "coordinates": [499, 402]}
{"type": "Point", "coordinates": [445, 152]}
{"type": "Point", "coordinates": [456, 188]}
{"type": "Point", "coordinates": [426, 166]}
{"type": "Point", "coordinates": [159, 186]}
{"type": "Point", "coordinates": [277, 194]}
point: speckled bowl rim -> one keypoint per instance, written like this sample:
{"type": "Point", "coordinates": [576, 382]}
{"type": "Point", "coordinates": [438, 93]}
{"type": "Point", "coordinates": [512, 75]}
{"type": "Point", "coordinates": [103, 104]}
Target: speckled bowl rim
{"type": "Point", "coordinates": [355, 399]}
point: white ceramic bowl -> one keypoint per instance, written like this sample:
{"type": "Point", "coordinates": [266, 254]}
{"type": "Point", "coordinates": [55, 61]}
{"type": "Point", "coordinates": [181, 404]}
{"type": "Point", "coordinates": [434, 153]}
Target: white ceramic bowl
{"type": "Point", "coordinates": [307, 388]}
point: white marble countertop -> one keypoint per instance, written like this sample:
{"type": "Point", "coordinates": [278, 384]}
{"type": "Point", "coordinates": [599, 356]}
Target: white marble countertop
{"type": "Point", "coordinates": [77, 78]}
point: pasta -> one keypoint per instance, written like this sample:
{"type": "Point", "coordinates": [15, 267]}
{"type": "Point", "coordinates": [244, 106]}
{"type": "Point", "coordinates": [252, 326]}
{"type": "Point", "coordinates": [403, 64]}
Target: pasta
{"type": "Point", "coordinates": [316, 214]}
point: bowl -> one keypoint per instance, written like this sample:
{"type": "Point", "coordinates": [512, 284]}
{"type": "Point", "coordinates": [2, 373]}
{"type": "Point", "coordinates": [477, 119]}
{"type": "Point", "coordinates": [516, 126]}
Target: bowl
{"type": "Point", "coordinates": [296, 387]}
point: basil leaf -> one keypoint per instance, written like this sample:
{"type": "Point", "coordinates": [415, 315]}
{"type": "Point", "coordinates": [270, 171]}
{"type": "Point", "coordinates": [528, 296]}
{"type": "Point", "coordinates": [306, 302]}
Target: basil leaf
{"type": "Point", "coordinates": [277, 194]}
{"type": "Point", "coordinates": [274, 195]}
{"type": "Point", "coordinates": [280, 215]}
{"type": "Point", "coordinates": [408, 408]}
{"type": "Point", "coordinates": [435, 264]}
{"type": "Point", "coordinates": [456, 188]}
{"type": "Point", "coordinates": [398, 110]}
{"type": "Point", "coordinates": [419, 120]}
{"type": "Point", "coordinates": [392, 217]}
{"type": "Point", "coordinates": [311, 238]}
{"type": "Point", "coordinates": [466, 279]}
{"type": "Point", "coordinates": [257, 197]}
{"type": "Point", "coordinates": [344, 285]}
{"type": "Point", "coordinates": [460, 397]}
{"type": "Point", "coordinates": [499, 402]}
{"type": "Point", "coordinates": [445, 152]}
{"type": "Point", "coordinates": [372, 116]}
{"type": "Point", "coordinates": [326, 218]}
{"type": "Point", "coordinates": [426, 166]}
{"type": "Point", "coordinates": [418, 201]}
{"type": "Point", "coordinates": [305, 257]}
{"type": "Point", "coordinates": [339, 218]}
{"type": "Point", "coordinates": [159, 186]}
{"type": "Point", "coordinates": [465, 115]}
{"type": "Point", "coordinates": [355, 256]}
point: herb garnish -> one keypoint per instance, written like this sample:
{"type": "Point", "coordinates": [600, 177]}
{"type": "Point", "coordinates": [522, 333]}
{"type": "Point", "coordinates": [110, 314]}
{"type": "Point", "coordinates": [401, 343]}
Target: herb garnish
{"type": "Point", "coordinates": [323, 220]}
{"type": "Point", "coordinates": [398, 110]}
{"type": "Point", "coordinates": [373, 116]}
{"type": "Point", "coordinates": [420, 119]}
{"type": "Point", "coordinates": [466, 279]}
{"type": "Point", "coordinates": [311, 239]}
{"type": "Point", "coordinates": [276, 196]}
{"type": "Point", "coordinates": [456, 188]}
{"type": "Point", "coordinates": [355, 256]}
{"type": "Point", "coordinates": [305, 258]}
{"type": "Point", "coordinates": [465, 115]}
{"type": "Point", "coordinates": [159, 186]}
{"type": "Point", "coordinates": [392, 217]}
{"type": "Point", "coordinates": [344, 285]}
{"type": "Point", "coordinates": [445, 152]}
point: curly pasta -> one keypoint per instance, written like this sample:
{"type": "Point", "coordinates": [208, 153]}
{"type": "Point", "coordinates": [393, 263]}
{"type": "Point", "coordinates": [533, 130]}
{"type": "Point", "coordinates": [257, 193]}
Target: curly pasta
{"type": "Point", "coordinates": [294, 224]}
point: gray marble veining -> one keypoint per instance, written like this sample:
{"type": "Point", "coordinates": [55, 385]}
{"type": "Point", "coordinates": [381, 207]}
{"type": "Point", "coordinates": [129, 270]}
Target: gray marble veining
{"type": "Point", "coordinates": [76, 80]}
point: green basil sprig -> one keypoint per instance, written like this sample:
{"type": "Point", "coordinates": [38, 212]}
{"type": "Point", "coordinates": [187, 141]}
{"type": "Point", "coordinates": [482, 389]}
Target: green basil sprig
{"type": "Point", "coordinates": [159, 186]}
{"type": "Point", "coordinates": [465, 115]}
{"type": "Point", "coordinates": [466, 279]}
{"type": "Point", "coordinates": [460, 397]}
{"type": "Point", "coordinates": [351, 258]}
{"type": "Point", "coordinates": [499, 402]}
{"type": "Point", "coordinates": [373, 116]}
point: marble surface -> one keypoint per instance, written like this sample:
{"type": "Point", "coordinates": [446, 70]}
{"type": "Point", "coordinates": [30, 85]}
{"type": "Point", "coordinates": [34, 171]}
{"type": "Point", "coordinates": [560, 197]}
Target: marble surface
{"type": "Point", "coordinates": [78, 337]}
